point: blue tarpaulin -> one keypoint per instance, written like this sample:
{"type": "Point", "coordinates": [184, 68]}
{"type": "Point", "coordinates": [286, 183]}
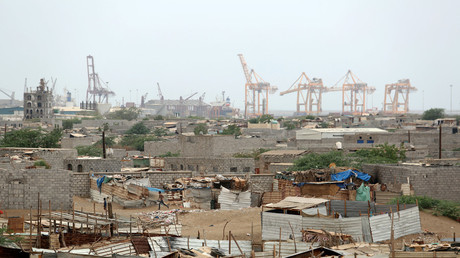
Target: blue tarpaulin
{"type": "Point", "coordinates": [153, 189]}
{"type": "Point", "coordinates": [341, 176]}
{"type": "Point", "coordinates": [99, 182]}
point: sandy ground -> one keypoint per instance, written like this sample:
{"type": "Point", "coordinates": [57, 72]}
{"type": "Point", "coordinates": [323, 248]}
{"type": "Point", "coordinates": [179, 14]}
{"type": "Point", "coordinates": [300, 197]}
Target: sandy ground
{"type": "Point", "coordinates": [211, 223]}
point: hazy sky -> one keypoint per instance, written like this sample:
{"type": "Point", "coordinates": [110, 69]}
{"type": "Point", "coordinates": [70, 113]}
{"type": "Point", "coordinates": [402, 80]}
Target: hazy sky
{"type": "Point", "coordinates": [191, 46]}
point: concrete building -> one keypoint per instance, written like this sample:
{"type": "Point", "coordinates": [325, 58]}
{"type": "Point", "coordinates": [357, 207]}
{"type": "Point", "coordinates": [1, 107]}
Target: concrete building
{"type": "Point", "coordinates": [330, 133]}
{"type": "Point", "coordinates": [177, 108]}
{"type": "Point", "coordinates": [38, 103]}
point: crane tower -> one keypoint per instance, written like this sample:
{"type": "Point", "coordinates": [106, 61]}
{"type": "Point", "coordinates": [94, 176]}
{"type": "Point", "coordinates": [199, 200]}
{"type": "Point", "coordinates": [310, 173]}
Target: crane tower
{"type": "Point", "coordinates": [309, 94]}
{"type": "Point", "coordinates": [256, 92]}
{"type": "Point", "coordinates": [397, 97]}
{"type": "Point", "coordinates": [354, 93]}
{"type": "Point", "coordinates": [96, 87]}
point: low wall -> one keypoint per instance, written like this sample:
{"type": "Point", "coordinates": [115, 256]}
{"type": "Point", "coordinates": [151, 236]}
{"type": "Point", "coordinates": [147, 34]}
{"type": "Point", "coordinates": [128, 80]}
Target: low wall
{"type": "Point", "coordinates": [437, 182]}
{"type": "Point", "coordinates": [20, 188]}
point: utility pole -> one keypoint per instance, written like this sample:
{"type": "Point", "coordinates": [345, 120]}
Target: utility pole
{"type": "Point", "coordinates": [103, 144]}
{"type": "Point", "coordinates": [451, 98]}
{"type": "Point", "coordinates": [440, 139]}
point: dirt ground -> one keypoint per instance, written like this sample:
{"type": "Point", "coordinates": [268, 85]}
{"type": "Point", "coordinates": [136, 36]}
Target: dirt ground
{"type": "Point", "coordinates": [240, 222]}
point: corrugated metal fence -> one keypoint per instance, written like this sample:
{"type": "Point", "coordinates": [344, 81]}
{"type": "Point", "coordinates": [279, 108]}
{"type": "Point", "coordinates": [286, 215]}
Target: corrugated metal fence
{"type": "Point", "coordinates": [368, 229]}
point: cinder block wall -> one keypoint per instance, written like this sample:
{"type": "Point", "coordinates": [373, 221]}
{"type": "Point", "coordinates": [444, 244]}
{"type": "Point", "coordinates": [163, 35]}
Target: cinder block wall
{"type": "Point", "coordinates": [213, 165]}
{"type": "Point", "coordinates": [261, 183]}
{"type": "Point", "coordinates": [436, 182]}
{"type": "Point", "coordinates": [81, 184]}
{"type": "Point", "coordinates": [159, 178]}
{"type": "Point", "coordinates": [19, 188]}
{"type": "Point", "coordinates": [96, 165]}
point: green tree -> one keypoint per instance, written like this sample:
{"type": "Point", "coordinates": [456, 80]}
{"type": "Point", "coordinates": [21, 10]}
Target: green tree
{"type": "Point", "coordinates": [291, 125]}
{"type": "Point", "coordinates": [51, 139]}
{"type": "Point", "coordinates": [7, 238]}
{"type": "Point", "coordinates": [433, 114]}
{"type": "Point", "coordinates": [91, 150]}
{"type": "Point", "coordinates": [232, 130]}
{"type": "Point", "coordinates": [310, 117]}
{"type": "Point", "coordinates": [265, 119]}
{"type": "Point", "coordinates": [200, 129]}
{"type": "Point", "coordinates": [158, 117]}
{"type": "Point", "coordinates": [68, 123]}
{"type": "Point", "coordinates": [125, 114]}
{"type": "Point", "coordinates": [254, 120]}
{"type": "Point", "coordinates": [138, 128]}
{"type": "Point", "coordinates": [32, 138]}
{"type": "Point", "coordinates": [159, 132]}
{"type": "Point", "coordinates": [137, 141]}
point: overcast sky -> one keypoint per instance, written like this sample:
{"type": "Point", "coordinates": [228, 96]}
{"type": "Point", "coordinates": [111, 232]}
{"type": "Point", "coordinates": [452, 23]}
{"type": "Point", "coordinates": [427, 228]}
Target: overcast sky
{"type": "Point", "coordinates": [192, 46]}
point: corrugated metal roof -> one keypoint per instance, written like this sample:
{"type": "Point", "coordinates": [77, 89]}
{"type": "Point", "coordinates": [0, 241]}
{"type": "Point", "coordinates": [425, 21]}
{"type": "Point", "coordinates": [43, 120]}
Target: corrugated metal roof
{"type": "Point", "coordinates": [124, 247]}
{"type": "Point", "coordinates": [405, 223]}
{"type": "Point", "coordinates": [160, 245]}
{"type": "Point", "coordinates": [296, 203]}
{"type": "Point", "coordinates": [234, 201]}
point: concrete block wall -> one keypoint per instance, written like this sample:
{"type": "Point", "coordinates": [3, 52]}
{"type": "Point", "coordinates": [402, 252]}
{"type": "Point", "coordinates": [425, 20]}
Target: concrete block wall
{"type": "Point", "coordinates": [92, 165]}
{"type": "Point", "coordinates": [207, 165]}
{"type": "Point", "coordinates": [81, 184]}
{"type": "Point", "coordinates": [19, 188]}
{"type": "Point", "coordinates": [159, 178]}
{"type": "Point", "coordinates": [208, 145]}
{"type": "Point", "coordinates": [54, 157]}
{"type": "Point", "coordinates": [261, 183]}
{"type": "Point", "coordinates": [70, 143]}
{"type": "Point", "coordinates": [161, 147]}
{"type": "Point", "coordinates": [437, 182]}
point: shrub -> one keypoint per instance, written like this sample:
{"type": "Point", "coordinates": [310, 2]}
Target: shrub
{"type": "Point", "coordinates": [42, 163]}
{"type": "Point", "coordinates": [170, 154]}
{"type": "Point", "coordinates": [433, 113]}
{"type": "Point", "coordinates": [441, 207]}
{"type": "Point", "coordinates": [200, 129]}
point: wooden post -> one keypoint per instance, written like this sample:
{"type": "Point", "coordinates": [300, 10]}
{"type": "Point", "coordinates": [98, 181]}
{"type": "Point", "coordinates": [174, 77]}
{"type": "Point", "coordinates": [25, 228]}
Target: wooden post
{"type": "Point", "coordinates": [274, 250]}
{"type": "Point", "coordinates": [237, 245]}
{"type": "Point", "coordinates": [279, 247]}
{"type": "Point", "coordinates": [204, 237]}
{"type": "Point", "coordinates": [188, 242]}
{"type": "Point", "coordinates": [229, 242]}
{"type": "Point", "coordinates": [453, 238]}
{"type": "Point", "coordinates": [392, 236]}
{"type": "Point", "coordinates": [50, 225]}
{"type": "Point", "coordinates": [94, 208]}
{"type": "Point", "coordinates": [252, 234]}
{"type": "Point", "coordinates": [39, 230]}
{"type": "Point", "coordinates": [30, 227]}
{"type": "Point", "coordinates": [95, 226]}
{"type": "Point", "coordinates": [345, 206]}
{"type": "Point", "coordinates": [87, 223]}
{"type": "Point", "coordinates": [130, 226]}
{"type": "Point", "coordinates": [293, 236]}
{"type": "Point", "coordinates": [109, 208]}
{"type": "Point", "coordinates": [73, 217]}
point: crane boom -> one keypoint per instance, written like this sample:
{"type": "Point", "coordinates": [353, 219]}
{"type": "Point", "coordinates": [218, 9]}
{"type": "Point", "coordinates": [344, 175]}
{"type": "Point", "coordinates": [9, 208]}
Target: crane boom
{"type": "Point", "coordinates": [160, 94]}
{"type": "Point", "coordinates": [245, 69]}
{"type": "Point", "coordinates": [189, 97]}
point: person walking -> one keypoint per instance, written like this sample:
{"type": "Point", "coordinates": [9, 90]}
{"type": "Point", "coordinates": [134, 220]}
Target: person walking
{"type": "Point", "coordinates": [161, 197]}
{"type": "Point", "coordinates": [105, 204]}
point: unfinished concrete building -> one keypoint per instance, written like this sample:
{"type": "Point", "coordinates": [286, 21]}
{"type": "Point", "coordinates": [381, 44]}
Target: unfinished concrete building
{"type": "Point", "coordinates": [38, 103]}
